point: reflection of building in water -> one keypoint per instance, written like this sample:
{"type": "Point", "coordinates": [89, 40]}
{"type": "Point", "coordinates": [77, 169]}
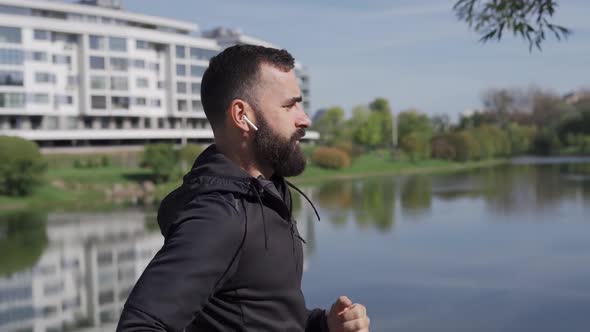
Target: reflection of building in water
{"type": "Point", "coordinates": [83, 277]}
{"type": "Point", "coordinates": [88, 269]}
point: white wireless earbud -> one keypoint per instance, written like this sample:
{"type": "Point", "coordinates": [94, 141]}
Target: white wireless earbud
{"type": "Point", "coordinates": [250, 122]}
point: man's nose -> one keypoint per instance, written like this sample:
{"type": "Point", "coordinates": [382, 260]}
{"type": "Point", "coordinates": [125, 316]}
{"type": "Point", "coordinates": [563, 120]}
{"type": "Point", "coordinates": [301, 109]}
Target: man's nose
{"type": "Point", "coordinates": [303, 119]}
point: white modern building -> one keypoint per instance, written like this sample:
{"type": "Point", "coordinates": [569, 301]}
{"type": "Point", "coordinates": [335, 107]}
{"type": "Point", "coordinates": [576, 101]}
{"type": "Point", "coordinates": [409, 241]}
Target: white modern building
{"type": "Point", "coordinates": [90, 73]}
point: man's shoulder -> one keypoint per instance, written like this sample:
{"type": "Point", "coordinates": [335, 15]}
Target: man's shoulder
{"type": "Point", "coordinates": [181, 207]}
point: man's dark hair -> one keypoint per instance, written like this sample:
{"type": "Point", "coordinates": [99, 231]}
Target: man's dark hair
{"type": "Point", "coordinates": [233, 74]}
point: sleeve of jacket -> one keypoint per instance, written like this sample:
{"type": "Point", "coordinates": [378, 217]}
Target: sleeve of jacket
{"type": "Point", "coordinates": [316, 321]}
{"type": "Point", "coordinates": [196, 257]}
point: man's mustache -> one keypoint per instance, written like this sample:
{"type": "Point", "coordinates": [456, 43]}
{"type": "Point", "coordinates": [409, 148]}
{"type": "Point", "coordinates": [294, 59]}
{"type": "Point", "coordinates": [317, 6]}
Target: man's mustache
{"type": "Point", "coordinates": [299, 134]}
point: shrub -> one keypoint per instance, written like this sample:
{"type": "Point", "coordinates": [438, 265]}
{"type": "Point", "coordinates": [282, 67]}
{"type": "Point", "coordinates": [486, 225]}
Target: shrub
{"type": "Point", "coordinates": [465, 146]}
{"type": "Point", "coordinates": [105, 161]}
{"type": "Point", "coordinates": [22, 166]}
{"type": "Point", "coordinates": [187, 155]}
{"type": "Point", "coordinates": [546, 143]}
{"type": "Point", "coordinates": [441, 148]}
{"type": "Point", "coordinates": [330, 158]}
{"type": "Point", "coordinates": [350, 148]}
{"type": "Point", "coordinates": [416, 146]}
{"type": "Point", "coordinates": [161, 159]}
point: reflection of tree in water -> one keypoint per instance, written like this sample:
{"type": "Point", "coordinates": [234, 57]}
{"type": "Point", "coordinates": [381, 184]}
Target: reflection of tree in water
{"type": "Point", "coordinates": [22, 239]}
{"type": "Point", "coordinates": [511, 189]}
{"type": "Point", "coordinates": [371, 200]}
{"type": "Point", "coordinates": [416, 195]}
{"type": "Point", "coordinates": [374, 202]}
{"type": "Point", "coordinates": [336, 198]}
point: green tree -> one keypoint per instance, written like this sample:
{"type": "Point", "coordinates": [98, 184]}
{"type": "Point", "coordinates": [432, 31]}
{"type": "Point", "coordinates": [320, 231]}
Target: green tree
{"type": "Point", "coordinates": [162, 159]}
{"type": "Point", "coordinates": [528, 19]}
{"type": "Point", "coordinates": [22, 166]}
{"type": "Point", "coordinates": [331, 126]}
{"type": "Point", "coordinates": [22, 239]}
{"type": "Point", "coordinates": [412, 121]}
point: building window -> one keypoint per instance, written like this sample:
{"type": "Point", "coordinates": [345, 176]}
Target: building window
{"type": "Point", "coordinates": [12, 100]}
{"type": "Point", "coordinates": [180, 52]}
{"type": "Point", "coordinates": [202, 54]}
{"type": "Point", "coordinates": [197, 106]}
{"type": "Point", "coordinates": [10, 35]}
{"type": "Point", "coordinates": [197, 71]}
{"type": "Point", "coordinates": [196, 88]}
{"type": "Point", "coordinates": [142, 82]}
{"type": "Point", "coordinates": [106, 297]}
{"type": "Point", "coordinates": [180, 70]}
{"type": "Point", "coordinates": [45, 78]}
{"type": "Point", "coordinates": [154, 66]}
{"type": "Point", "coordinates": [11, 78]}
{"type": "Point", "coordinates": [97, 42]}
{"type": "Point", "coordinates": [63, 100]}
{"type": "Point", "coordinates": [97, 62]}
{"type": "Point", "coordinates": [98, 82]}
{"type": "Point", "coordinates": [155, 103]}
{"type": "Point", "coordinates": [180, 87]}
{"type": "Point", "coordinates": [147, 123]}
{"type": "Point", "coordinates": [88, 122]}
{"type": "Point", "coordinates": [39, 56]}
{"type": "Point", "coordinates": [142, 45]}
{"type": "Point", "coordinates": [161, 123]}
{"type": "Point", "coordinates": [140, 101]}
{"type": "Point", "coordinates": [38, 98]}
{"type": "Point", "coordinates": [41, 34]}
{"type": "Point", "coordinates": [73, 81]}
{"type": "Point", "coordinates": [118, 44]}
{"type": "Point", "coordinates": [98, 102]}
{"type": "Point", "coordinates": [138, 63]}
{"type": "Point", "coordinates": [119, 83]}
{"type": "Point", "coordinates": [120, 102]}
{"type": "Point", "coordinates": [119, 123]}
{"type": "Point", "coordinates": [105, 123]}
{"type": "Point", "coordinates": [71, 122]}
{"type": "Point", "coordinates": [59, 100]}
{"type": "Point", "coordinates": [11, 56]}
{"type": "Point", "coordinates": [182, 105]}
{"type": "Point", "coordinates": [60, 59]}
{"type": "Point", "coordinates": [119, 64]}
{"type": "Point", "coordinates": [51, 123]}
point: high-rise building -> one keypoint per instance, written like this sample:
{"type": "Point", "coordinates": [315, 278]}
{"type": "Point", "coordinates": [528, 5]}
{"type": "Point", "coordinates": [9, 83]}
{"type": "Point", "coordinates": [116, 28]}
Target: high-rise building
{"type": "Point", "coordinates": [90, 73]}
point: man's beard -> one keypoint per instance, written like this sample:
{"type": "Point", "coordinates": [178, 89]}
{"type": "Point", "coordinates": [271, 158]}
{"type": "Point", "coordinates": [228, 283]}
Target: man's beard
{"type": "Point", "coordinates": [284, 156]}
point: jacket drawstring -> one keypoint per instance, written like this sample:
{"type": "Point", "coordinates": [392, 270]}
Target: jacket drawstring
{"type": "Point", "coordinates": [261, 212]}
{"type": "Point", "coordinates": [307, 198]}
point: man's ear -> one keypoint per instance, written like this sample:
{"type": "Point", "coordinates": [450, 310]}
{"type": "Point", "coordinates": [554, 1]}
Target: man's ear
{"type": "Point", "coordinates": [239, 108]}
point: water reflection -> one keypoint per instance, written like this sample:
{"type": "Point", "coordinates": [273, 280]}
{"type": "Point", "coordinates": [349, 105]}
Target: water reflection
{"type": "Point", "coordinates": [67, 271]}
{"type": "Point", "coordinates": [89, 264]}
{"type": "Point", "coordinates": [504, 190]}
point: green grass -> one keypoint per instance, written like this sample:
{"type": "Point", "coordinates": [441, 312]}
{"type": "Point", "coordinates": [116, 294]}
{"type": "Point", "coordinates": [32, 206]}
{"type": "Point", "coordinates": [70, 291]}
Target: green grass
{"type": "Point", "coordinates": [375, 165]}
{"type": "Point", "coordinates": [102, 175]}
{"type": "Point", "coordinates": [84, 188]}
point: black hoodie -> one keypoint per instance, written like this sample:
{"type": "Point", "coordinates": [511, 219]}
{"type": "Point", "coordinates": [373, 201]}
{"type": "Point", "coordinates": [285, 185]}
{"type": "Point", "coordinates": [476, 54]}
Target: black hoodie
{"type": "Point", "coordinates": [231, 260]}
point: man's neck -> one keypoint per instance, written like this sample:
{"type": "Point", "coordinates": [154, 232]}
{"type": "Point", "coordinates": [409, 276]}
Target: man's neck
{"type": "Point", "coordinates": [245, 159]}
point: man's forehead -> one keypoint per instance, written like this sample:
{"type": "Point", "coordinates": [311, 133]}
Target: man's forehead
{"type": "Point", "coordinates": [273, 73]}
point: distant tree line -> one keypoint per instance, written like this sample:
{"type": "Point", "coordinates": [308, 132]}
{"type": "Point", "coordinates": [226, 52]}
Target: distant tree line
{"type": "Point", "coordinates": [511, 122]}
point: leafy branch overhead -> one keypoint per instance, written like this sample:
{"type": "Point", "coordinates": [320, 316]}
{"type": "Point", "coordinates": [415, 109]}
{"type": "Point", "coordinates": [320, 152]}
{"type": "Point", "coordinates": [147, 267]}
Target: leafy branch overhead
{"type": "Point", "coordinates": [529, 19]}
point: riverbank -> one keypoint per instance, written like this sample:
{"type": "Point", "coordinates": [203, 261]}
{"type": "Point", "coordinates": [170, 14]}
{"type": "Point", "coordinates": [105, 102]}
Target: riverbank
{"type": "Point", "coordinates": [114, 187]}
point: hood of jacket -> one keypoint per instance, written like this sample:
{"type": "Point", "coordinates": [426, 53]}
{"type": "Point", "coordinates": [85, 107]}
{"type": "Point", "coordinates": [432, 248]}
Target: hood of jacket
{"type": "Point", "coordinates": [212, 171]}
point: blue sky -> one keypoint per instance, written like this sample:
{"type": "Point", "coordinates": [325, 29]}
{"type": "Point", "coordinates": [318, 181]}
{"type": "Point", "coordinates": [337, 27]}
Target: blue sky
{"type": "Point", "coordinates": [414, 53]}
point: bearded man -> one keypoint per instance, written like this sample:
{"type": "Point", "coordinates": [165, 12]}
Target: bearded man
{"type": "Point", "coordinates": [232, 257]}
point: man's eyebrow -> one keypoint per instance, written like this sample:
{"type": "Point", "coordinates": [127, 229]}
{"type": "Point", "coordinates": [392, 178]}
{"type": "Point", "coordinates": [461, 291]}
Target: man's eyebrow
{"type": "Point", "coordinates": [293, 100]}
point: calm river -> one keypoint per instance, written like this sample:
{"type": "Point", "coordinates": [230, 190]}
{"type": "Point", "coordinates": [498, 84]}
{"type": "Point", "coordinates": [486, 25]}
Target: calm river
{"type": "Point", "coordinates": [495, 249]}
